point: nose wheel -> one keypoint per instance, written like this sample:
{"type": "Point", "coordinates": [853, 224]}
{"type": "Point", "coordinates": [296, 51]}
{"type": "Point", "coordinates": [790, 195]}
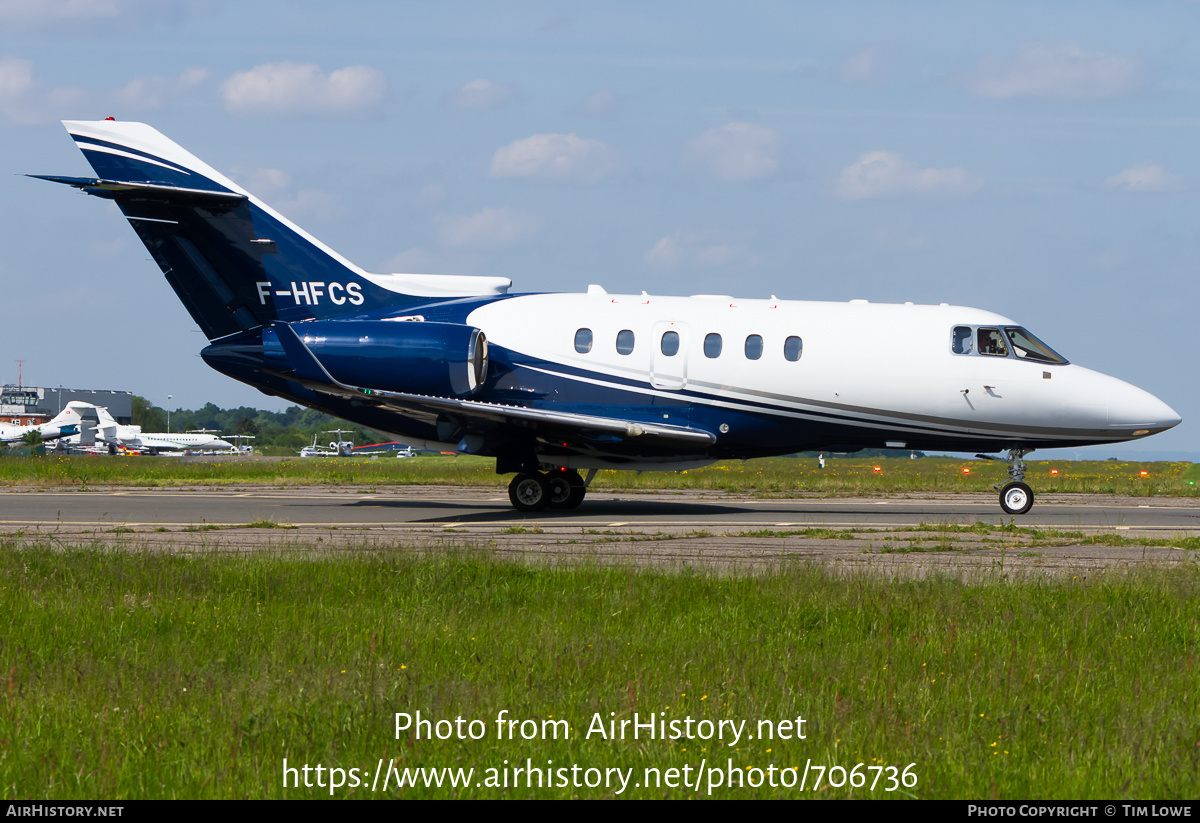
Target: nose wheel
{"type": "Point", "coordinates": [1016, 498]}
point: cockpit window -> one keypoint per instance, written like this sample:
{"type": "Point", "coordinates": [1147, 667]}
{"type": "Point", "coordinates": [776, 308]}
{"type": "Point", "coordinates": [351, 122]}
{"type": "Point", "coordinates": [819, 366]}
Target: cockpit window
{"type": "Point", "coordinates": [991, 342]}
{"type": "Point", "coordinates": [1027, 347]}
{"type": "Point", "coordinates": [961, 340]}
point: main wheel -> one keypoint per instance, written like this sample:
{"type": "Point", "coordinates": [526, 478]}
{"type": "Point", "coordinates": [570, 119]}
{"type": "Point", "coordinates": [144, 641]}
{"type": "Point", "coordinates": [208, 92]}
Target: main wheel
{"type": "Point", "coordinates": [1016, 498]}
{"type": "Point", "coordinates": [529, 492]}
{"type": "Point", "coordinates": [566, 489]}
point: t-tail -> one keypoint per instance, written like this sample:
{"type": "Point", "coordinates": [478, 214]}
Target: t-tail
{"type": "Point", "coordinates": [234, 262]}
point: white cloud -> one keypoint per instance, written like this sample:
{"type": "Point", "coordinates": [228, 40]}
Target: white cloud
{"type": "Point", "coordinates": [600, 103]}
{"type": "Point", "coordinates": [864, 67]}
{"type": "Point", "coordinates": [275, 188]}
{"type": "Point", "coordinates": [24, 101]}
{"type": "Point", "coordinates": [16, 78]}
{"type": "Point", "coordinates": [411, 261]}
{"type": "Point", "coordinates": [562, 157]}
{"type": "Point", "coordinates": [431, 194]}
{"type": "Point", "coordinates": [1149, 177]}
{"type": "Point", "coordinates": [268, 184]}
{"type": "Point", "coordinates": [490, 227]}
{"type": "Point", "coordinates": [885, 173]}
{"type": "Point", "coordinates": [43, 12]}
{"type": "Point", "coordinates": [303, 88]}
{"type": "Point", "coordinates": [481, 94]}
{"type": "Point", "coordinates": [153, 92]}
{"type": "Point", "coordinates": [697, 250]}
{"type": "Point", "coordinates": [736, 152]}
{"type": "Point", "coordinates": [1057, 71]}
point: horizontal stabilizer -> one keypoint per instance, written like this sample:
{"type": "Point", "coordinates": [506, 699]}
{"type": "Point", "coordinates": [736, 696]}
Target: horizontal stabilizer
{"type": "Point", "coordinates": [149, 192]}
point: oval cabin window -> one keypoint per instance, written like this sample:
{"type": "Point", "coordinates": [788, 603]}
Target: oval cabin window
{"type": "Point", "coordinates": [625, 342]}
{"type": "Point", "coordinates": [793, 347]}
{"type": "Point", "coordinates": [712, 345]}
{"type": "Point", "coordinates": [754, 347]}
{"type": "Point", "coordinates": [583, 341]}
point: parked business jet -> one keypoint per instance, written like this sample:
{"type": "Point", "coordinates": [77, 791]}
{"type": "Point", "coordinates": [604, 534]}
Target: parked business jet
{"type": "Point", "coordinates": [118, 436]}
{"type": "Point", "coordinates": [337, 448]}
{"type": "Point", "coordinates": [64, 424]}
{"type": "Point", "coordinates": [98, 428]}
{"type": "Point", "coordinates": [551, 384]}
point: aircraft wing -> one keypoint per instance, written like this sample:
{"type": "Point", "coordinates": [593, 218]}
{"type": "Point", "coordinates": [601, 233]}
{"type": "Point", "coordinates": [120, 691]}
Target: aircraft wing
{"type": "Point", "coordinates": [310, 373]}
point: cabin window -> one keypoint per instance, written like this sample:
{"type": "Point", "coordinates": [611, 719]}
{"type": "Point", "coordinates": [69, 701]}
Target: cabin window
{"type": "Point", "coordinates": [991, 342]}
{"type": "Point", "coordinates": [961, 340]}
{"type": "Point", "coordinates": [669, 343]}
{"type": "Point", "coordinates": [1027, 347]}
{"type": "Point", "coordinates": [712, 345]}
{"type": "Point", "coordinates": [793, 347]}
{"type": "Point", "coordinates": [583, 341]}
{"type": "Point", "coordinates": [625, 342]}
{"type": "Point", "coordinates": [754, 347]}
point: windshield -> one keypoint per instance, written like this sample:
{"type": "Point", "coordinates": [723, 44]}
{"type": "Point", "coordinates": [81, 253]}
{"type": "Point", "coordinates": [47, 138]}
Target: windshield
{"type": "Point", "coordinates": [1027, 347]}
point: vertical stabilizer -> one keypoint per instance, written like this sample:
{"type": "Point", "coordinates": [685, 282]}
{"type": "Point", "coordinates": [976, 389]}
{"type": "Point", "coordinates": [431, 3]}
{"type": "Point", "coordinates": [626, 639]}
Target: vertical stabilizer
{"type": "Point", "coordinates": [234, 262]}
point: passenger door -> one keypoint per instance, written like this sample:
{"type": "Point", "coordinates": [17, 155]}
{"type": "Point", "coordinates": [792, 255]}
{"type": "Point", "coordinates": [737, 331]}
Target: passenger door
{"type": "Point", "coordinates": [669, 371]}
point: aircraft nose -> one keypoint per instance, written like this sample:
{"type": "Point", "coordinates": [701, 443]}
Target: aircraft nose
{"type": "Point", "coordinates": [1139, 411]}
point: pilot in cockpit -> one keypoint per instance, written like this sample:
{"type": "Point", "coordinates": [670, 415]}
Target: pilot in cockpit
{"type": "Point", "coordinates": [990, 342]}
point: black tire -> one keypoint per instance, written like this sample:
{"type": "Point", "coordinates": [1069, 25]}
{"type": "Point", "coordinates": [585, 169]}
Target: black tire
{"type": "Point", "coordinates": [529, 493]}
{"type": "Point", "coordinates": [566, 489]}
{"type": "Point", "coordinates": [1016, 498]}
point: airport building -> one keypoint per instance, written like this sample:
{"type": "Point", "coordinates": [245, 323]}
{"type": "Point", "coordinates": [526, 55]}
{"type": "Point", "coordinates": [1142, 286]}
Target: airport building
{"type": "Point", "coordinates": [26, 405]}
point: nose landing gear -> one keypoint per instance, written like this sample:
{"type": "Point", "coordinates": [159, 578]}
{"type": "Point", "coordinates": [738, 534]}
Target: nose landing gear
{"type": "Point", "coordinates": [1016, 497]}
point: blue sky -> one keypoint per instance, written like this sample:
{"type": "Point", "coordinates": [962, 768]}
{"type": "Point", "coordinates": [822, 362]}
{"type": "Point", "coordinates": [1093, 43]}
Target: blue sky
{"type": "Point", "coordinates": [1038, 160]}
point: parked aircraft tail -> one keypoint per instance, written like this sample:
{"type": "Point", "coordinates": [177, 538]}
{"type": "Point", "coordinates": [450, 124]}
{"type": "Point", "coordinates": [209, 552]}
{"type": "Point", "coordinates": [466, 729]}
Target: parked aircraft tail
{"type": "Point", "coordinates": [234, 262]}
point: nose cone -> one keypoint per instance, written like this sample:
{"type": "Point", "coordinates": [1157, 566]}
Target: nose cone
{"type": "Point", "coordinates": [1138, 413]}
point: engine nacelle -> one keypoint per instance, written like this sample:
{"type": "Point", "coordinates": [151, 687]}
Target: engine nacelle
{"type": "Point", "coordinates": [440, 359]}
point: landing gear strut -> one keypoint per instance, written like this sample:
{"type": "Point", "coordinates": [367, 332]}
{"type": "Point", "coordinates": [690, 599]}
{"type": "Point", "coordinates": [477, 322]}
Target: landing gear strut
{"type": "Point", "coordinates": [556, 489]}
{"type": "Point", "coordinates": [1016, 497]}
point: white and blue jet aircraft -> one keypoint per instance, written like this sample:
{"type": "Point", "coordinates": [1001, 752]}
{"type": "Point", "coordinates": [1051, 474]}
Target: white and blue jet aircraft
{"type": "Point", "coordinates": [555, 384]}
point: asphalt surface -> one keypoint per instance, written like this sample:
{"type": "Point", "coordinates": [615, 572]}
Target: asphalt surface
{"type": "Point", "coordinates": [903, 535]}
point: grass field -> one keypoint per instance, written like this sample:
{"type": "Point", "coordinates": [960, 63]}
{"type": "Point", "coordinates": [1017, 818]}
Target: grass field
{"type": "Point", "coordinates": [769, 476]}
{"type": "Point", "coordinates": [134, 674]}
{"type": "Point", "coordinates": [130, 673]}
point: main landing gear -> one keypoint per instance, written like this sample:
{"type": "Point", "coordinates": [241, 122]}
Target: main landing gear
{"type": "Point", "coordinates": [555, 489]}
{"type": "Point", "coordinates": [1016, 497]}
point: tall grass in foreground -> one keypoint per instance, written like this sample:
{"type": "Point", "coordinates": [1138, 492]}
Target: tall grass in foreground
{"type": "Point", "coordinates": [766, 476]}
{"type": "Point", "coordinates": [129, 674]}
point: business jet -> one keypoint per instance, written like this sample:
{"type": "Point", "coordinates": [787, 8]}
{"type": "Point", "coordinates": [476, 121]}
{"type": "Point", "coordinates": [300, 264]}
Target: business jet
{"type": "Point", "coordinates": [116, 436]}
{"type": "Point", "coordinates": [337, 448]}
{"type": "Point", "coordinates": [64, 424]}
{"type": "Point", "coordinates": [132, 438]}
{"type": "Point", "coordinates": [400, 450]}
{"type": "Point", "coordinates": [552, 385]}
